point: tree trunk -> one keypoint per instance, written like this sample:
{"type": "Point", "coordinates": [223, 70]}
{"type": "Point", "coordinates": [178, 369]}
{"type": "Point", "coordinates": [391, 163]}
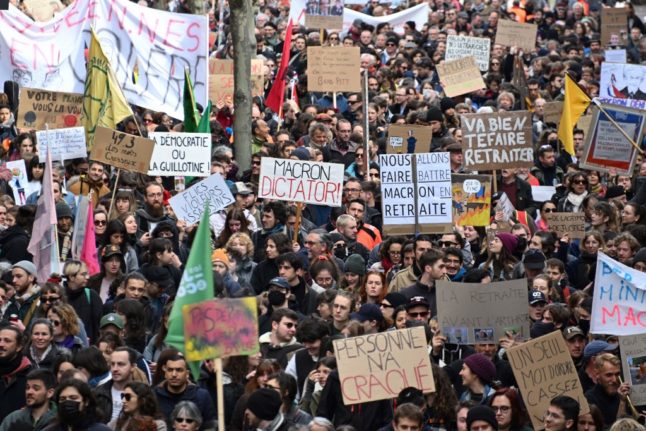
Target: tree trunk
{"type": "Point", "coordinates": [244, 46]}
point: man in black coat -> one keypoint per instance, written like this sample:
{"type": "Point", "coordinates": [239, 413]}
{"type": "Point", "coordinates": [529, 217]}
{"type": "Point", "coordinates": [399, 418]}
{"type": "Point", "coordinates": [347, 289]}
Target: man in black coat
{"type": "Point", "coordinates": [14, 367]}
{"type": "Point", "coordinates": [517, 190]}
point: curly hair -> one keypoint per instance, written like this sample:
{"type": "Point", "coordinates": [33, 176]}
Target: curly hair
{"type": "Point", "coordinates": [146, 403]}
{"type": "Point", "coordinates": [68, 316]}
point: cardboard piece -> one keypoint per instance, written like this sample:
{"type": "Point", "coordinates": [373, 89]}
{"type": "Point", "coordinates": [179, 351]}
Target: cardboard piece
{"type": "Point", "coordinates": [333, 69]}
{"type": "Point", "coordinates": [544, 369]}
{"type": "Point", "coordinates": [63, 144]}
{"type": "Point", "coordinates": [324, 14]}
{"type": "Point", "coordinates": [512, 33]}
{"type": "Point", "coordinates": [496, 141]}
{"type": "Point", "coordinates": [408, 138]}
{"type": "Point", "coordinates": [615, 55]}
{"type": "Point", "coordinates": [460, 76]}
{"type": "Point", "coordinates": [41, 107]}
{"type": "Point", "coordinates": [42, 10]}
{"type": "Point", "coordinates": [183, 154]}
{"type": "Point", "coordinates": [189, 204]}
{"type": "Point", "coordinates": [483, 313]}
{"type": "Point", "coordinates": [552, 112]}
{"type": "Point", "coordinates": [614, 21]}
{"type": "Point", "coordinates": [633, 361]}
{"type": "Point", "coordinates": [543, 193]}
{"type": "Point", "coordinates": [471, 199]}
{"type": "Point", "coordinates": [378, 366]}
{"type": "Point", "coordinates": [219, 328]}
{"type": "Point", "coordinates": [300, 181]}
{"type": "Point", "coordinates": [572, 224]}
{"type": "Point", "coordinates": [122, 150]}
{"type": "Point", "coordinates": [464, 46]}
{"type": "Point", "coordinates": [221, 79]}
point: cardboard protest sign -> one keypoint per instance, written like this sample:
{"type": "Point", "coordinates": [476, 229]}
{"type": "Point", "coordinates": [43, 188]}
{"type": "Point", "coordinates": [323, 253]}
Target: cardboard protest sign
{"type": "Point", "coordinates": [218, 328]}
{"type": "Point", "coordinates": [377, 366]}
{"type": "Point", "coordinates": [122, 150]}
{"type": "Point", "coordinates": [39, 108]}
{"type": "Point", "coordinates": [300, 181]}
{"type": "Point", "coordinates": [496, 141]}
{"type": "Point", "coordinates": [333, 69]}
{"type": "Point", "coordinates": [464, 46]}
{"type": "Point", "coordinates": [572, 224]}
{"type": "Point", "coordinates": [606, 148]}
{"type": "Point", "coordinates": [633, 361]}
{"type": "Point", "coordinates": [619, 299]}
{"type": "Point", "coordinates": [408, 138]}
{"type": "Point", "coordinates": [221, 79]}
{"type": "Point", "coordinates": [475, 313]}
{"type": "Point", "coordinates": [183, 154]}
{"type": "Point", "coordinates": [43, 10]}
{"type": "Point", "coordinates": [322, 14]}
{"type": "Point", "coordinates": [189, 204]}
{"type": "Point", "coordinates": [615, 55]}
{"type": "Point", "coordinates": [622, 81]}
{"type": "Point", "coordinates": [19, 182]}
{"type": "Point", "coordinates": [552, 112]}
{"type": "Point", "coordinates": [62, 143]}
{"type": "Point", "coordinates": [614, 24]}
{"type": "Point", "coordinates": [460, 76]}
{"type": "Point", "coordinates": [512, 33]}
{"type": "Point", "coordinates": [416, 193]}
{"type": "Point", "coordinates": [544, 369]}
{"type": "Point", "coordinates": [471, 199]}
{"type": "Point", "coordinates": [543, 193]}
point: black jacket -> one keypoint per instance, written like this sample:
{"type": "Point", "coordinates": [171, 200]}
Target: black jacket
{"type": "Point", "coordinates": [13, 245]}
{"type": "Point", "coordinates": [89, 307]}
{"type": "Point", "coordinates": [12, 387]}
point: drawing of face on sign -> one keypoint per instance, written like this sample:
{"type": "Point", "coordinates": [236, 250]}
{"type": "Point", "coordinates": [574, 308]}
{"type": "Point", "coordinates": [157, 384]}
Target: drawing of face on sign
{"type": "Point", "coordinates": [22, 77]}
{"type": "Point", "coordinates": [118, 54]}
{"type": "Point", "coordinates": [53, 79]}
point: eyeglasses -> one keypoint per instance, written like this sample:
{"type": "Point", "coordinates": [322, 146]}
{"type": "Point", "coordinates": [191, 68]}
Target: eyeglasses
{"type": "Point", "coordinates": [334, 38]}
{"type": "Point", "coordinates": [266, 386]}
{"type": "Point", "coordinates": [352, 190]}
{"type": "Point", "coordinates": [386, 305]}
{"type": "Point", "coordinates": [395, 253]}
{"type": "Point", "coordinates": [290, 325]}
{"type": "Point", "coordinates": [50, 299]}
{"type": "Point", "coordinates": [126, 396]}
{"type": "Point", "coordinates": [183, 420]}
{"type": "Point", "coordinates": [420, 314]}
{"type": "Point", "coordinates": [390, 44]}
{"type": "Point", "coordinates": [256, 162]}
{"type": "Point", "coordinates": [580, 182]}
{"type": "Point", "coordinates": [550, 210]}
{"type": "Point", "coordinates": [100, 222]}
{"type": "Point", "coordinates": [56, 322]}
{"type": "Point", "coordinates": [359, 154]}
{"type": "Point", "coordinates": [501, 409]}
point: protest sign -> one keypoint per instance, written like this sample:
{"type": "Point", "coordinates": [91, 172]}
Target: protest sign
{"type": "Point", "coordinates": [543, 193]}
{"type": "Point", "coordinates": [189, 204]}
{"type": "Point", "coordinates": [496, 141]}
{"type": "Point", "coordinates": [122, 150]}
{"type": "Point", "coordinates": [622, 81]}
{"type": "Point", "coordinates": [39, 108]}
{"type": "Point", "coordinates": [333, 69]}
{"type": "Point", "coordinates": [572, 224]}
{"type": "Point", "coordinates": [614, 24]}
{"type": "Point", "coordinates": [477, 313]}
{"type": "Point", "coordinates": [511, 33]}
{"type": "Point", "coordinates": [324, 14]}
{"type": "Point", "coordinates": [63, 144]}
{"type": "Point", "coordinates": [315, 183]}
{"type": "Point", "coordinates": [416, 193]}
{"type": "Point", "coordinates": [633, 361]}
{"type": "Point", "coordinates": [221, 79]}
{"type": "Point", "coordinates": [378, 366]}
{"type": "Point", "coordinates": [615, 55]}
{"type": "Point", "coordinates": [619, 299]}
{"type": "Point", "coordinates": [183, 154]}
{"type": "Point", "coordinates": [19, 181]}
{"type": "Point", "coordinates": [544, 369]}
{"type": "Point", "coordinates": [552, 112]}
{"type": "Point", "coordinates": [460, 76]}
{"type": "Point", "coordinates": [408, 138]}
{"type": "Point", "coordinates": [218, 328]}
{"type": "Point", "coordinates": [42, 10]}
{"type": "Point", "coordinates": [585, 121]}
{"type": "Point", "coordinates": [464, 46]}
{"type": "Point", "coordinates": [471, 199]}
{"type": "Point", "coordinates": [606, 148]}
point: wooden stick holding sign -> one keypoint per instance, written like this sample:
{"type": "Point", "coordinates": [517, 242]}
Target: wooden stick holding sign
{"type": "Point", "coordinates": [617, 126]}
{"type": "Point", "coordinates": [219, 390]}
{"type": "Point", "coordinates": [297, 223]}
{"type": "Point", "coordinates": [366, 134]}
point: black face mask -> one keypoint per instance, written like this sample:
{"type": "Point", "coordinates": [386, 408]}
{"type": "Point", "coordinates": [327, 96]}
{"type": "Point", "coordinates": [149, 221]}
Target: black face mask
{"type": "Point", "coordinates": [276, 298]}
{"type": "Point", "coordinates": [70, 412]}
{"type": "Point", "coordinates": [341, 252]}
{"type": "Point", "coordinates": [584, 325]}
{"type": "Point", "coordinates": [541, 328]}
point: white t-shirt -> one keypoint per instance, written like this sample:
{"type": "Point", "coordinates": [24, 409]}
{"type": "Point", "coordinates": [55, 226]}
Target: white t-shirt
{"type": "Point", "coordinates": [116, 403]}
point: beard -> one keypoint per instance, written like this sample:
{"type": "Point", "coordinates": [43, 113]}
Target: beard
{"type": "Point", "coordinates": [155, 210]}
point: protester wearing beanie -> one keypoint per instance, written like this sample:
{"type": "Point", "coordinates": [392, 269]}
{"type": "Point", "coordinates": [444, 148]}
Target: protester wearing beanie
{"type": "Point", "coordinates": [509, 241]}
{"type": "Point", "coordinates": [482, 418]}
{"type": "Point", "coordinates": [477, 374]}
{"type": "Point", "coordinates": [355, 264]}
{"type": "Point", "coordinates": [263, 410]}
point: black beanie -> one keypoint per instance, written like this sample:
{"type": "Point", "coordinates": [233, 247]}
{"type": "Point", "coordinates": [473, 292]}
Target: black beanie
{"type": "Point", "coordinates": [434, 114]}
{"type": "Point", "coordinates": [447, 103]}
{"type": "Point", "coordinates": [264, 403]}
{"type": "Point", "coordinates": [482, 413]}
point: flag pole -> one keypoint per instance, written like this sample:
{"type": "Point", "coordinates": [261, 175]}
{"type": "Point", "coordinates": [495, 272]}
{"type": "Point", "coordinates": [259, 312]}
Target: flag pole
{"type": "Point", "coordinates": [219, 390]}
{"type": "Point", "coordinates": [617, 126]}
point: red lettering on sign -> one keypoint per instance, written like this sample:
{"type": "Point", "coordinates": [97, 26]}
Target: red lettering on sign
{"type": "Point", "coordinates": [193, 32]}
{"type": "Point", "coordinates": [152, 30]}
{"type": "Point", "coordinates": [169, 32]}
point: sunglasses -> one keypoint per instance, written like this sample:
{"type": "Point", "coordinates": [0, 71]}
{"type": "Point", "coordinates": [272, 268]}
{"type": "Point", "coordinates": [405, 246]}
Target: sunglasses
{"type": "Point", "coordinates": [51, 299]}
{"type": "Point", "coordinates": [290, 325]}
{"type": "Point", "coordinates": [420, 314]}
{"type": "Point", "coordinates": [56, 322]}
{"type": "Point", "coordinates": [550, 210]}
{"type": "Point", "coordinates": [580, 182]}
{"type": "Point", "coordinates": [385, 305]}
{"type": "Point", "coordinates": [125, 396]}
{"type": "Point", "coordinates": [184, 420]}
{"type": "Point", "coordinates": [100, 222]}
{"type": "Point", "coordinates": [256, 163]}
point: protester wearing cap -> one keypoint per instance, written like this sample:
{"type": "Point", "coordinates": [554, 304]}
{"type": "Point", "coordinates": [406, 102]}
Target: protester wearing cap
{"type": "Point", "coordinates": [25, 300]}
{"type": "Point", "coordinates": [65, 228]}
{"type": "Point", "coordinates": [435, 119]}
{"type": "Point", "coordinates": [111, 322]}
{"type": "Point", "coordinates": [280, 342]}
{"type": "Point", "coordinates": [433, 269]}
{"type": "Point", "coordinates": [278, 292]}
{"type": "Point", "coordinates": [478, 372]}
{"type": "Point", "coordinates": [481, 418]}
{"type": "Point", "coordinates": [221, 263]}
{"type": "Point", "coordinates": [370, 317]}
{"type": "Point", "coordinates": [587, 372]}
{"type": "Point", "coordinates": [575, 340]}
{"type": "Point", "coordinates": [113, 265]}
{"type": "Point", "coordinates": [533, 263]}
{"type": "Point", "coordinates": [562, 414]}
{"type": "Point", "coordinates": [418, 308]}
{"type": "Point", "coordinates": [263, 411]}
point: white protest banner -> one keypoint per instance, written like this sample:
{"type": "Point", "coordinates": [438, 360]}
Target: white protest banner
{"type": "Point", "coordinates": [619, 299]}
{"type": "Point", "coordinates": [183, 154]}
{"type": "Point", "coordinates": [315, 183]}
{"type": "Point", "coordinates": [158, 45]}
{"type": "Point", "coordinates": [543, 193]}
{"type": "Point", "coordinates": [615, 55]}
{"type": "Point", "coordinates": [470, 313]}
{"type": "Point", "coordinates": [378, 366]}
{"type": "Point", "coordinates": [633, 361]}
{"type": "Point", "coordinates": [622, 81]}
{"type": "Point", "coordinates": [62, 143]}
{"type": "Point", "coordinates": [464, 46]}
{"type": "Point", "coordinates": [19, 182]}
{"type": "Point", "coordinates": [189, 204]}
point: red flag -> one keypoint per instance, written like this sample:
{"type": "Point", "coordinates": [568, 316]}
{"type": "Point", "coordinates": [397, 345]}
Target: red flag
{"type": "Point", "coordinates": [88, 252]}
{"type": "Point", "coordinates": [277, 93]}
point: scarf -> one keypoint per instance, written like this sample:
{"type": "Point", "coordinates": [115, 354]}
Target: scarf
{"type": "Point", "coordinates": [576, 200]}
{"type": "Point", "coordinates": [386, 264]}
{"type": "Point", "coordinates": [8, 366]}
{"type": "Point", "coordinates": [39, 358]}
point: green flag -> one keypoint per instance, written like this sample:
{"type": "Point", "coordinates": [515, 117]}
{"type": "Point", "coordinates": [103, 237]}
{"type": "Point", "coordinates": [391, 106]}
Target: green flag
{"type": "Point", "coordinates": [196, 286]}
{"type": "Point", "coordinates": [191, 116]}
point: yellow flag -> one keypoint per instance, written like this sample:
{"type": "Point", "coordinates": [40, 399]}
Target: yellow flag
{"type": "Point", "coordinates": [574, 105]}
{"type": "Point", "coordinates": [103, 102]}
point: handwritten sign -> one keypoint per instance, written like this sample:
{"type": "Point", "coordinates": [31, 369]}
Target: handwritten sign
{"type": "Point", "coordinates": [300, 181]}
{"type": "Point", "coordinates": [460, 76]}
{"type": "Point", "coordinates": [122, 150]}
{"type": "Point", "coordinates": [189, 204]}
{"type": "Point", "coordinates": [221, 79]}
{"type": "Point", "coordinates": [615, 55]}
{"type": "Point", "coordinates": [544, 369]}
{"type": "Point", "coordinates": [552, 112]}
{"type": "Point", "coordinates": [633, 359]}
{"type": "Point", "coordinates": [183, 154]}
{"type": "Point", "coordinates": [619, 299]}
{"type": "Point", "coordinates": [572, 224]}
{"type": "Point", "coordinates": [614, 21]}
{"type": "Point", "coordinates": [218, 328]}
{"type": "Point", "coordinates": [333, 69]}
{"type": "Point", "coordinates": [471, 199]}
{"type": "Point", "coordinates": [464, 46]}
{"type": "Point", "coordinates": [62, 143]}
{"type": "Point", "coordinates": [409, 138]}
{"type": "Point", "coordinates": [474, 313]}
{"type": "Point", "coordinates": [323, 15]}
{"type": "Point", "coordinates": [41, 107]}
{"type": "Point", "coordinates": [496, 141]}
{"type": "Point", "coordinates": [378, 366]}
{"type": "Point", "coordinates": [19, 181]}
{"type": "Point", "coordinates": [512, 33]}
